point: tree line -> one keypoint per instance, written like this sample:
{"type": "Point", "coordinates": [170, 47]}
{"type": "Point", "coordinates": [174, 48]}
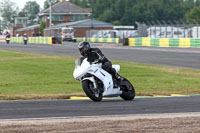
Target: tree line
{"type": "Point", "coordinates": [118, 12]}
{"type": "Point", "coordinates": [127, 12]}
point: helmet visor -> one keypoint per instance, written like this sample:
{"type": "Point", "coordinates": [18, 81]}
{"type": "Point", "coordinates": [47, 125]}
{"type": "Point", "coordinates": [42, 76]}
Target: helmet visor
{"type": "Point", "coordinates": [82, 50]}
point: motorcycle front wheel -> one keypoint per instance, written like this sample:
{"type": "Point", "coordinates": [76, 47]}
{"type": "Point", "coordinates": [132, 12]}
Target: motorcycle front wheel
{"type": "Point", "coordinates": [94, 94]}
{"type": "Point", "coordinates": [128, 91]}
{"type": "Point", "coordinates": [7, 41]}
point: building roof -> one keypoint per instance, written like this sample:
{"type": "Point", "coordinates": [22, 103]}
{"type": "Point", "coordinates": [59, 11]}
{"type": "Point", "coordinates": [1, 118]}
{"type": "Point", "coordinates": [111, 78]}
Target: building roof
{"type": "Point", "coordinates": [65, 7]}
{"type": "Point", "coordinates": [83, 23]}
{"type": "Point", "coordinates": [29, 27]}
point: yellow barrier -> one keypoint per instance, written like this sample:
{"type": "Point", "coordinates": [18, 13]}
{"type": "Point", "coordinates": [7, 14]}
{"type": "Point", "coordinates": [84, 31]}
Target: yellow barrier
{"type": "Point", "coordinates": [146, 42]}
{"type": "Point", "coordinates": [165, 42]}
{"type": "Point", "coordinates": [99, 40]}
{"type": "Point", "coordinates": [2, 38]}
{"type": "Point", "coordinates": [184, 42]}
{"type": "Point", "coordinates": [32, 40]}
{"type": "Point", "coordinates": [131, 41]}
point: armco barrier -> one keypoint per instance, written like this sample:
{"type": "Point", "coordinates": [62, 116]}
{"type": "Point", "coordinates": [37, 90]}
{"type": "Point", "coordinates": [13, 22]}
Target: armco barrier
{"type": "Point", "coordinates": [32, 40]}
{"type": "Point", "coordinates": [99, 40]}
{"type": "Point", "coordinates": [165, 42]}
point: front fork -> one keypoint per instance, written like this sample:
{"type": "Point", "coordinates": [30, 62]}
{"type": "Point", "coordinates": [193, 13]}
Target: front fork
{"type": "Point", "coordinates": [92, 80]}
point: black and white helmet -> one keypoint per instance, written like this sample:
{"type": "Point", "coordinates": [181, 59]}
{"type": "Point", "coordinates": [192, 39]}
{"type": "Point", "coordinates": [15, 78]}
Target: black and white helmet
{"type": "Point", "coordinates": [84, 48]}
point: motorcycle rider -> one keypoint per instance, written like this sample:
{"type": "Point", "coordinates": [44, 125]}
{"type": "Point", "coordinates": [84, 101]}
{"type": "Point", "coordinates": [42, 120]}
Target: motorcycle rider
{"type": "Point", "coordinates": [25, 39]}
{"type": "Point", "coordinates": [7, 37]}
{"type": "Point", "coordinates": [95, 55]}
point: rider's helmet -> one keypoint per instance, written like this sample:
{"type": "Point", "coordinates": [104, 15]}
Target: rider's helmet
{"type": "Point", "coordinates": [84, 47]}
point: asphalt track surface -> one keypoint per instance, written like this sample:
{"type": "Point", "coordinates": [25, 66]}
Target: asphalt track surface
{"type": "Point", "coordinates": [178, 57]}
{"type": "Point", "coordinates": [187, 58]}
{"type": "Point", "coordinates": [88, 108]}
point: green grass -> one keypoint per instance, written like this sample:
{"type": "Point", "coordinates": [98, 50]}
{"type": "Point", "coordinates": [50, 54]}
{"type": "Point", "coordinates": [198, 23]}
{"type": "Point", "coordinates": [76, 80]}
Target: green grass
{"type": "Point", "coordinates": [30, 74]}
{"type": "Point", "coordinates": [5, 53]}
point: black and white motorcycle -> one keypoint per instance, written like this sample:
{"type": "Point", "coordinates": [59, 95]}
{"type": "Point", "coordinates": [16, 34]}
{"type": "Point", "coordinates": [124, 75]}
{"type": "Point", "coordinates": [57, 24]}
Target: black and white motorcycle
{"type": "Point", "coordinates": [97, 83]}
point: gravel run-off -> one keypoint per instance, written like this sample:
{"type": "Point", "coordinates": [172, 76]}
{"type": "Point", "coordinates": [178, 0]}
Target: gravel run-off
{"type": "Point", "coordinates": [153, 123]}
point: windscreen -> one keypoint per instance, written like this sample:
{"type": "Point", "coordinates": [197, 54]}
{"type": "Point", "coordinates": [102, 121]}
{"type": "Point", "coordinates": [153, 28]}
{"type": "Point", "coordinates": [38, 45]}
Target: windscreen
{"type": "Point", "coordinates": [79, 61]}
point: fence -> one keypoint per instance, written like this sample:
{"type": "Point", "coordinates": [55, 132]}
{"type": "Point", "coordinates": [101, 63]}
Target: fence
{"type": "Point", "coordinates": [123, 33]}
{"type": "Point", "coordinates": [165, 42]}
{"type": "Point", "coordinates": [151, 29]}
{"type": "Point", "coordinates": [170, 29]}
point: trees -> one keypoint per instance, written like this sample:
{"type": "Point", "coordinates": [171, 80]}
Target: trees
{"type": "Point", "coordinates": [76, 2]}
{"type": "Point", "coordinates": [120, 12]}
{"type": "Point", "coordinates": [30, 10]}
{"type": "Point", "coordinates": [194, 14]}
{"type": "Point", "coordinates": [126, 12]}
{"type": "Point", "coordinates": [42, 27]}
{"type": "Point", "coordinates": [47, 3]}
{"type": "Point", "coordinates": [8, 10]}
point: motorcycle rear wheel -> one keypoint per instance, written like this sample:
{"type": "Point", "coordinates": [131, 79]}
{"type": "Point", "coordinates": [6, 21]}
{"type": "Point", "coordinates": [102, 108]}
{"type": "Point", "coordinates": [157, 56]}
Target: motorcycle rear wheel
{"type": "Point", "coordinates": [128, 94]}
{"type": "Point", "coordinates": [94, 94]}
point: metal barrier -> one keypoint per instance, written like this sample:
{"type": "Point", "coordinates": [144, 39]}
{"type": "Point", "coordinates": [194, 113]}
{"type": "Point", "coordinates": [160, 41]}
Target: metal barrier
{"type": "Point", "coordinates": [165, 42]}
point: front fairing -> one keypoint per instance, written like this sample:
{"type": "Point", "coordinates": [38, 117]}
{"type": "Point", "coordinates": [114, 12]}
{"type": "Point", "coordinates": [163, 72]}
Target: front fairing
{"type": "Point", "coordinates": [79, 70]}
{"type": "Point", "coordinates": [82, 68]}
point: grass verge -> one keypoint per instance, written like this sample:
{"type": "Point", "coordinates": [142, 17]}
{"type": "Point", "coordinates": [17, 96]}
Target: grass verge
{"type": "Point", "coordinates": [37, 76]}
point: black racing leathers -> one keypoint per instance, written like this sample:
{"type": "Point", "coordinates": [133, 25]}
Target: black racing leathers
{"type": "Point", "coordinates": [95, 55]}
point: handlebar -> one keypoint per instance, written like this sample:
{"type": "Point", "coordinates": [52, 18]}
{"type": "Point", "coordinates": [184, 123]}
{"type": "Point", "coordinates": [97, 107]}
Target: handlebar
{"type": "Point", "coordinates": [96, 62]}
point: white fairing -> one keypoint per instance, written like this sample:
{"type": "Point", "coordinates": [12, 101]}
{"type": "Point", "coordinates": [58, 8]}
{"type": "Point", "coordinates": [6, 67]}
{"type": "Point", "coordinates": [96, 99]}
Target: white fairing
{"type": "Point", "coordinates": [116, 67]}
{"type": "Point", "coordinates": [96, 70]}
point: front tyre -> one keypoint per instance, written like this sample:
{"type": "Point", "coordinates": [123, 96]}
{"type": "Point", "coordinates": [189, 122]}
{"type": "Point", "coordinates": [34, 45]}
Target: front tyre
{"type": "Point", "coordinates": [128, 91]}
{"type": "Point", "coordinates": [91, 92]}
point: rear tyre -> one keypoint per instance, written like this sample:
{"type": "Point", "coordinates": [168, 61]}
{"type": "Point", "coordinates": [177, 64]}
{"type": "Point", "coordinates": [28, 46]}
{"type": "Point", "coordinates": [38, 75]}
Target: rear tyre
{"type": "Point", "coordinates": [128, 92]}
{"type": "Point", "coordinates": [91, 92]}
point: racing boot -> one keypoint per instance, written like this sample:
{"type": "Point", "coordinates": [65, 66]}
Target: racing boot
{"type": "Point", "coordinates": [115, 83]}
{"type": "Point", "coordinates": [118, 77]}
{"type": "Point", "coordinates": [116, 80]}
